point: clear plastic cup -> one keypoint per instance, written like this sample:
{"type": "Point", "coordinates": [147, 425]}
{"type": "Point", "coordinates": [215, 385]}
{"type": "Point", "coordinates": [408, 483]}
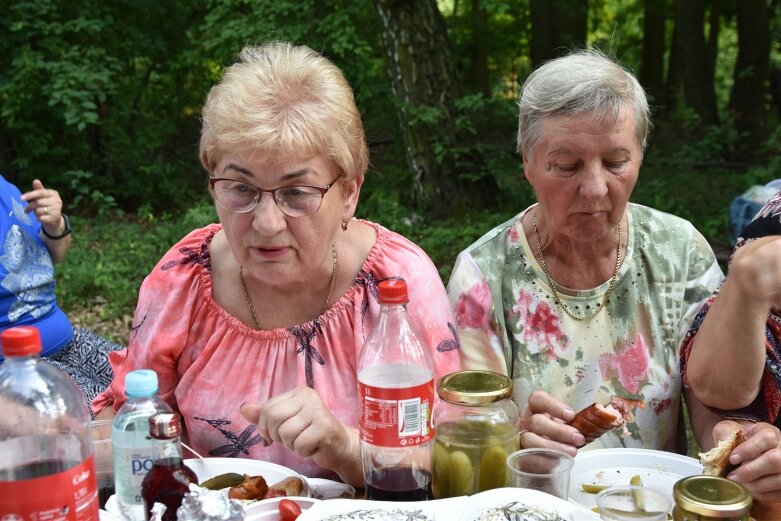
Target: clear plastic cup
{"type": "Point", "coordinates": [104, 460]}
{"type": "Point", "coordinates": [631, 503]}
{"type": "Point", "coordinates": [546, 470]}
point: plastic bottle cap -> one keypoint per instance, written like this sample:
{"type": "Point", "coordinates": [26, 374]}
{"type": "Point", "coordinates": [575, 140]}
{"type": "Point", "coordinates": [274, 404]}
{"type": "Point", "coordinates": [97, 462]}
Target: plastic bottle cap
{"type": "Point", "coordinates": [140, 383]}
{"type": "Point", "coordinates": [20, 341]}
{"type": "Point", "coordinates": [393, 291]}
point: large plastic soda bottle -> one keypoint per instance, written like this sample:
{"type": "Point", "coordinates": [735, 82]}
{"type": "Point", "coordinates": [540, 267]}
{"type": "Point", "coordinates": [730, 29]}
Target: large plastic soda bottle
{"type": "Point", "coordinates": [396, 393]}
{"type": "Point", "coordinates": [131, 443]}
{"type": "Point", "coordinates": [47, 469]}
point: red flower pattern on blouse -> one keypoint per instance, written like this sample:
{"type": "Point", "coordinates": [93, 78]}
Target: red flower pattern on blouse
{"type": "Point", "coordinates": [540, 326]}
{"type": "Point", "coordinates": [630, 366]}
{"type": "Point", "coordinates": [472, 308]}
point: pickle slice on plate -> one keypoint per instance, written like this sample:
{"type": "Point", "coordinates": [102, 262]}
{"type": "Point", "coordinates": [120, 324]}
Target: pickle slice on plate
{"type": "Point", "coordinates": [591, 488]}
{"type": "Point", "coordinates": [221, 481]}
{"type": "Point", "coordinates": [637, 495]}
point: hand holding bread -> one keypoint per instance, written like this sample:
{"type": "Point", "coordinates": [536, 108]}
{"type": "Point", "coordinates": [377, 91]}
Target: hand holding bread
{"type": "Point", "coordinates": [754, 462]}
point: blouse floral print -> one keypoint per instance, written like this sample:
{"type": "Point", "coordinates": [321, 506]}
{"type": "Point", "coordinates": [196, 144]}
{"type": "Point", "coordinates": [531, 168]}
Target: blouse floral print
{"type": "Point", "coordinates": [507, 321]}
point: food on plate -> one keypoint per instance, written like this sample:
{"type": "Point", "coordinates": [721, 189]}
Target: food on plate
{"type": "Point", "coordinates": [637, 495]}
{"type": "Point", "coordinates": [222, 481]}
{"type": "Point", "coordinates": [291, 486]}
{"type": "Point", "coordinates": [252, 487]}
{"type": "Point", "coordinates": [715, 462]}
{"type": "Point", "coordinates": [289, 510]}
{"type": "Point", "coordinates": [591, 488]}
{"type": "Point", "coordinates": [597, 419]}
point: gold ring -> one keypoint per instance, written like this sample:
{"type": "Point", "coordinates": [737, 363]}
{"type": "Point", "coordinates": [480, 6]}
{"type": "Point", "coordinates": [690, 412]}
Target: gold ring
{"type": "Point", "coordinates": [46, 210]}
{"type": "Point", "coordinates": [520, 435]}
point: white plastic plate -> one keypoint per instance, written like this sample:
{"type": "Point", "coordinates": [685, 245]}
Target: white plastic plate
{"type": "Point", "coordinates": [657, 469]}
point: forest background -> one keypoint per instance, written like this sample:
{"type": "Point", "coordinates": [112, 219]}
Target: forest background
{"type": "Point", "coordinates": [101, 100]}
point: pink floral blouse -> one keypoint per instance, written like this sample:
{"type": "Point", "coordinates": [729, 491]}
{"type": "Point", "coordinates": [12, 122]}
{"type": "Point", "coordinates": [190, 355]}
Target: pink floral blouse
{"type": "Point", "coordinates": [209, 363]}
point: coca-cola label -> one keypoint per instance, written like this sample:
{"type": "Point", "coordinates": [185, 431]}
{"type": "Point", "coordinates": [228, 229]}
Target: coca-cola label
{"type": "Point", "coordinates": [70, 495]}
{"type": "Point", "coordinates": [396, 417]}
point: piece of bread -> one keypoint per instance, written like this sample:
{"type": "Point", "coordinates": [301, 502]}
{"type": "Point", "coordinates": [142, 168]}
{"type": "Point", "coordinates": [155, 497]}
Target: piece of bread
{"type": "Point", "coordinates": [715, 462]}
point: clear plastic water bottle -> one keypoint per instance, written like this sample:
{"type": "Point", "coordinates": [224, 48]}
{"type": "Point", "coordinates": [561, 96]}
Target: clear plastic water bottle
{"type": "Point", "coordinates": [396, 392]}
{"type": "Point", "coordinates": [47, 468]}
{"type": "Point", "coordinates": [131, 443]}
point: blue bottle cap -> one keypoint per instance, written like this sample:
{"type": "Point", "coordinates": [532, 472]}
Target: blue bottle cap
{"type": "Point", "coordinates": [140, 383]}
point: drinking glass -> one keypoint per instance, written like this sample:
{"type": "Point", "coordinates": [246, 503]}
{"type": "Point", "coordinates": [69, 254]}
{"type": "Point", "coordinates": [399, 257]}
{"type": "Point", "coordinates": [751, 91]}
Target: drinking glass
{"type": "Point", "coordinates": [104, 459]}
{"type": "Point", "coordinates": [631, 503]}
{"type": "Point", "coordinates": [546, 470]}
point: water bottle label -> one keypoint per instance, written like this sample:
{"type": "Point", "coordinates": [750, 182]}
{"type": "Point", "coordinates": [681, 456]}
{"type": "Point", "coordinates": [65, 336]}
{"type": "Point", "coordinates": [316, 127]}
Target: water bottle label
{"type": "Point", "coordinates": [131, 465]}
{"type": "Point", "coordinates": [396, 417]}
{"type": "Point", "coordinates": [71, 495]}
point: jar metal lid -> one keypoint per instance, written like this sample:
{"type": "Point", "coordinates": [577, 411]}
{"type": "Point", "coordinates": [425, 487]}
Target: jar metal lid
{"type": "Point", "coordinates": [474, 387]}
{"type": "Point", "coordinates": [712, 496]}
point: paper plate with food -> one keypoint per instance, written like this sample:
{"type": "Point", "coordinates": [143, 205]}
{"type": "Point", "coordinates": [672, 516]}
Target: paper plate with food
{"type": "Point", "coordinates": [247, 480]}
{"type": "Point", "coordinates": [598, 469]}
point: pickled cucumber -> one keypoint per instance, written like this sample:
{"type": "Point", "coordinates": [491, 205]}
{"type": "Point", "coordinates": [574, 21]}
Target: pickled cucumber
{"type": "Point", "coordinates": [440, 475]}
{"type": "Point", "coordinates": [462, 474]}
{"type": "Point", "coordinates": [637, 495]}
{"type": "Point", "coordinates": [590, 488]}
{"type": "Point", "coordinates": [493, 469]}
{"type": "Point", "coordinates": [221, 481]}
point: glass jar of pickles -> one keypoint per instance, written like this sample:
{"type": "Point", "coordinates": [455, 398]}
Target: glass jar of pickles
{"type": "Point", "coordinates": [476, 425]}
{"type": "Point", "coordinates": [710, 498]}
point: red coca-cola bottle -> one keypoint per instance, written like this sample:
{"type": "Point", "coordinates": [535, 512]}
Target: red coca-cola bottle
{"type": "Point", "coordinates": [396, 393]}
{"type": "Point", "coordinates": [169, 479]}
{"type": "Point", "coordinates": [47, 469]}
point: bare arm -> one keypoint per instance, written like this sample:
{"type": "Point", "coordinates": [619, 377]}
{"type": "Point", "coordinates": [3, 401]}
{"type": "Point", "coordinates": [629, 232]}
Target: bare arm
{"type": "Point", "coordinates": [46, 204]}
{"type": "Point", "coordinates": [727, 357]}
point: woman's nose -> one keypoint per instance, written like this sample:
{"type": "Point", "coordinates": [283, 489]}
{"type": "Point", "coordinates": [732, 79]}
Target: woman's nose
{"type": "Point", "coordinates": [593, 182]}
{"type": "Point", "coordinates": [267, 216]}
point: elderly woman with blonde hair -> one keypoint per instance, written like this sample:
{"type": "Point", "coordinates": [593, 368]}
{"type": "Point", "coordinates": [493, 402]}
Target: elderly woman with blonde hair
{"type": "Point", "coordinates": [254, 325]}
{"type": "Point", "coordinates": [585, 297]}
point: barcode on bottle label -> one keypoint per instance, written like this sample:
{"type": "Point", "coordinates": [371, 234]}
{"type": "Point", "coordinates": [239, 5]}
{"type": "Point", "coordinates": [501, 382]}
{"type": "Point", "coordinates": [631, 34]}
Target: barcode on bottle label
{"type": "Point", "coordinates": [409, 412]}
{"type": "Point", "coordinates": [396, 417]}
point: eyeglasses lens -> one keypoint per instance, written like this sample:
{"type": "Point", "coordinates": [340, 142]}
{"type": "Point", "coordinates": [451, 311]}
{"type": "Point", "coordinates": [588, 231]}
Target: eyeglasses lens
{"type": "Point", "coordinates": [294, 201]}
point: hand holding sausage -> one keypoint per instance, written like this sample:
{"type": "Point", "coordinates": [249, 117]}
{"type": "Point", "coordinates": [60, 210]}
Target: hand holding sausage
{"type": "Point", "coordinates": [544, 423]}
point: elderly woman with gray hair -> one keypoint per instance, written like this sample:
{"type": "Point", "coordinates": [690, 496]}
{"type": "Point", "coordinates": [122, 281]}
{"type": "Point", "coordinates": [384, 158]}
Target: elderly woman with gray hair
{"type": "Point", "coordinates": [585, 297]}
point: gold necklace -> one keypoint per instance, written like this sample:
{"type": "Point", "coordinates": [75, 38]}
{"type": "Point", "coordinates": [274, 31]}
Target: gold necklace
{"type": "Point", "coordinates": [325, 304]}
{"type": "Point", "coordinates": [557, 299]}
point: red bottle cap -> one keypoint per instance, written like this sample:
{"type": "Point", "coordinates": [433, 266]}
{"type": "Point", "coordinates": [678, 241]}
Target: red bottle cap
{"type": "Point", "coordinates": [393, 291]}
{"type": "Point", "coordinates": [20, 341]}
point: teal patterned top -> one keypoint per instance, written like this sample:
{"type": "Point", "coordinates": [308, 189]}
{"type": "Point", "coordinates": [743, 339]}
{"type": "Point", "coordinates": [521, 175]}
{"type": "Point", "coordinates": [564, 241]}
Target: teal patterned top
{"type": "Point", "coordinates": [508, 322]}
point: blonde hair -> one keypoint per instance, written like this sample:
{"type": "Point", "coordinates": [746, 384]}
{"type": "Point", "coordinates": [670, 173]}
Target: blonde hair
{"type": "Point", "coordinates": [280, 100]}
{"type": "Point", "coordinates": [584, 81]}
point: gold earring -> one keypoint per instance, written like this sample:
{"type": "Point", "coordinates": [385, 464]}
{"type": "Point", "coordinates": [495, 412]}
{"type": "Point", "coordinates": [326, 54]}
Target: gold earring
{"type": "Point", "coordinates": [344, 226]}
{"type": "Point", "coordinates": [547, 167]}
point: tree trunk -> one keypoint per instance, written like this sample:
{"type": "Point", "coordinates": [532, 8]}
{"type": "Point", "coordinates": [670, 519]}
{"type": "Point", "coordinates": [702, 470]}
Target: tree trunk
{"type": "Point", "coordinates": [424, 80]}
{"type": "Point", "coordinates": [714, 21]}
{"type": "Point", "coordinates": [557, 26]}
{"type": "Point", "coordinates": [749, 92]}
{"type": "Point", "coordinates": [695, 68]}
{"type": "Point", "coordinates": [652, 68]}
{"type": "Point", "coordinates": [479, 63]}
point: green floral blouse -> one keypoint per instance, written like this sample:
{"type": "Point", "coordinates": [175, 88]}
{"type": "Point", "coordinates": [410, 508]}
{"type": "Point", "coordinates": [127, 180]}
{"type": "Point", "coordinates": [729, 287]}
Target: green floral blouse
{"type": "Point", "coordinates": [508, 322]}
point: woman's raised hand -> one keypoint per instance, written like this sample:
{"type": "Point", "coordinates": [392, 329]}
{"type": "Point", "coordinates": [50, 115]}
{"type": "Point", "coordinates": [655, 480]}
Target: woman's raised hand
{"type": "Point", "coordinates": [303, 423]}
{"type": "Point", "coordinates": [758, 458]}
{"type": "Point", "coordinates": [545, 423]}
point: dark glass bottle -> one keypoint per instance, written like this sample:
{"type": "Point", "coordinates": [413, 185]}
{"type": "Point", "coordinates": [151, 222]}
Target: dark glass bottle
{"type": "Point", "coordinates": [169, 479]}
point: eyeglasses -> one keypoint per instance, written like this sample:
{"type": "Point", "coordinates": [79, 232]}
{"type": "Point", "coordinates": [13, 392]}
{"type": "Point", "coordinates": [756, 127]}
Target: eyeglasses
{"type": "Point", "coordinates": [294, 201]}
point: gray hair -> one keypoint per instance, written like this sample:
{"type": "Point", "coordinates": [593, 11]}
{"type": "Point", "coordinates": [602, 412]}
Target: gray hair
{"type": "Point", "coordinates": [584, 81]}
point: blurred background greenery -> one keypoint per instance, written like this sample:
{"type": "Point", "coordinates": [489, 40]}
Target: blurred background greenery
{"type": "Point", "coordinates": [101, 101]}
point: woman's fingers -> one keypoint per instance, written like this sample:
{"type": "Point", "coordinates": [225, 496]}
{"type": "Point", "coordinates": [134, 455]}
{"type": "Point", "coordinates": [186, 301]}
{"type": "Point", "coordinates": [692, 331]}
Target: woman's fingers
{"type": "Point", "coordinates": [530, 439]}
{"type": "Point", "coordinates": [545, 421]}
